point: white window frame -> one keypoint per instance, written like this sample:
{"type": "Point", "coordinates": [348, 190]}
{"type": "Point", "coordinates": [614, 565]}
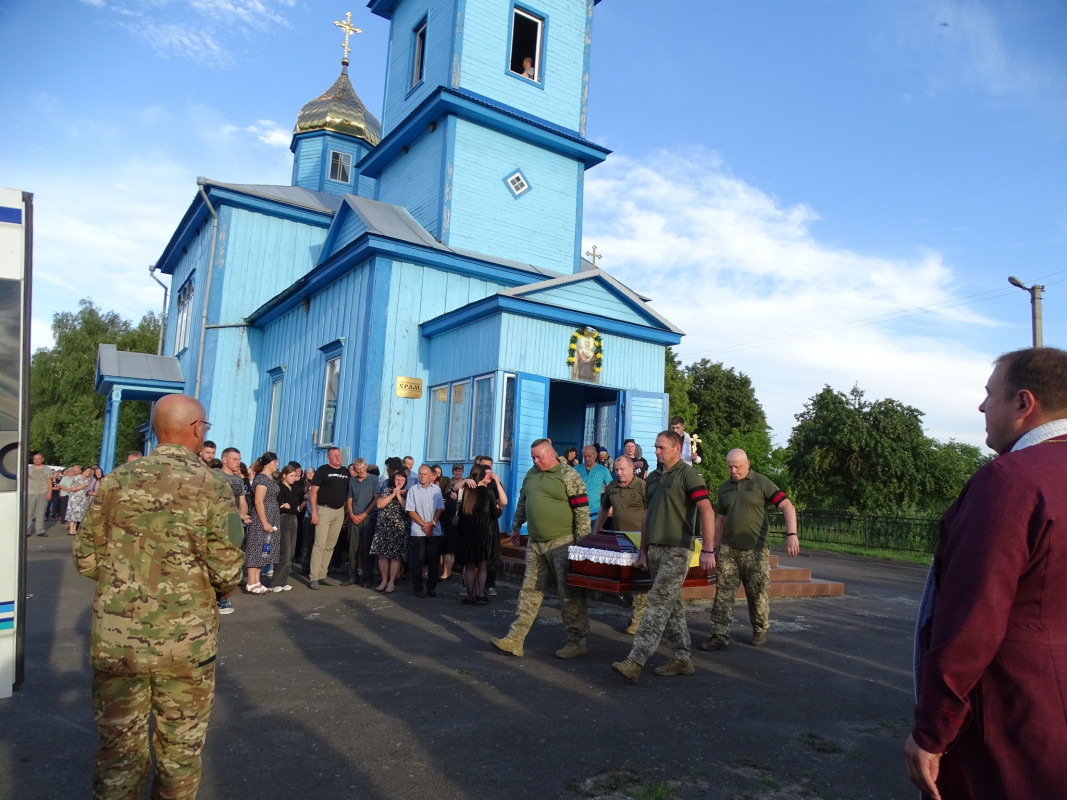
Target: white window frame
{"type": "Point", "coordinates": [184, 316]}
{"type": "Point", "coordinates": [274, 422]}
{"type": "Point", "coordinates": [334, 363]}
{"type": "Point", "coordinates": [418, 53]}
{"type": "Point", "coordinates": [475, 449]}
{"type": "Point", "coordinates": [507, 431]}
{"type": "Point", "coordinates": [518, 12]}
{"type": "Point", "coordinates": [340, 163]}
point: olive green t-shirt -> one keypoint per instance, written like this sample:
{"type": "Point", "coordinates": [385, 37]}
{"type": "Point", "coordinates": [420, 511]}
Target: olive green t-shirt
{"type": "Point", "coordinates": [744, 506]}
{"type": "Point", "coordinates": [671, 498]}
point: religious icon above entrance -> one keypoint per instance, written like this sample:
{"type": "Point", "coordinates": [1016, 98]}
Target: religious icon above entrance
{"type": "Point", "coordinates": [585, 354]}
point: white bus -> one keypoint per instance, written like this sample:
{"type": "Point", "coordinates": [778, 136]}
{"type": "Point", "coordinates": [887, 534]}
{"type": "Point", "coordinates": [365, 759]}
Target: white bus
{"type": "Point", "coordinates": [16, 248]}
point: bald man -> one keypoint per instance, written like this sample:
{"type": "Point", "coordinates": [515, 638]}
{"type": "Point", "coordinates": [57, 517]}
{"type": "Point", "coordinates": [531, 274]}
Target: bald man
{"type": "Point", "coordinates": [741, 527]}
{"type": "Point", "coordinates": [158, 541]}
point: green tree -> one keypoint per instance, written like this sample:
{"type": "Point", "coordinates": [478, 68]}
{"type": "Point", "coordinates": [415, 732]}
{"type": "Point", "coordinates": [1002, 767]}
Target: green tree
{"type": "Point", "coordinates": [66, 413]}
{"type": "Point", "coordinates": [873, 457]}
{"type": "Point", "coordinates": [676, 385]}
{"type": "Point", "coordinates": [728, 415]}
{"type": "Point", "coordinates": [952, 464]}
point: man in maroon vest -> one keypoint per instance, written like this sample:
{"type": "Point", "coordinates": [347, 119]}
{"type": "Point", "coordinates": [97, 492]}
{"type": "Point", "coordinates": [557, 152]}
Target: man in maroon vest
{"type": "Point", "coordinates": [991, 645]}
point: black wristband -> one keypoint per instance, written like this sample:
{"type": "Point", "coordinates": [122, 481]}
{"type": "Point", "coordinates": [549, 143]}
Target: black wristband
{"type": "Point", "coordinates": [793, 534]}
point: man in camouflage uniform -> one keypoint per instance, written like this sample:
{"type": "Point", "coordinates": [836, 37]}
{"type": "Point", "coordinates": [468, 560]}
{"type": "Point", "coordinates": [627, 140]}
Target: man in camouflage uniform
{"type": "Point", "coordinates": [675, 496]}
{"type": "Point", "coordinates": [554, 506]}
{"type": "Point", "coordinates": [157, 542]}
{"type": "Point", "coordinates": [741, 526]}
{"type": "Point", "coordinates": [622, 507]}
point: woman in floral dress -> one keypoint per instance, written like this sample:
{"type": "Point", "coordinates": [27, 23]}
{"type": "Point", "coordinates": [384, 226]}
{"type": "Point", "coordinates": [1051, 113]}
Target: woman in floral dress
{"type": "Point", "coordinates": [79, 499]}
{"type": "Point", "coordinates": [391, 531]}
{"type": "Point", "coordinates": [266, 519]}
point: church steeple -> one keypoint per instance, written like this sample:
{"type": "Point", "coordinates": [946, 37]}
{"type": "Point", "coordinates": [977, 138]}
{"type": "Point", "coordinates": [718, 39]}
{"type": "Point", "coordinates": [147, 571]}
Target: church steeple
{"type": "Point", "coordinates": [333, 132]}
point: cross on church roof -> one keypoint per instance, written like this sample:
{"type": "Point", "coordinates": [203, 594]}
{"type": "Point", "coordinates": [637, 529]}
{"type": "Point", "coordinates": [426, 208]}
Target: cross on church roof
{"type": "Point", "coordinates": [593, 255]}
{"type": "Point", "coordinates": [349, 29]}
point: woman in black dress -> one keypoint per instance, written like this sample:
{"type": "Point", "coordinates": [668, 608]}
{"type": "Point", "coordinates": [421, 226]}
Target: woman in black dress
{"type": "Point", "coordinates": [477, 527]}
{"type": "Point", "coordinates": [291, 506]}
{"type": "Point", "coordinates": [263, 527]}
{"type": "Point", "coordinates": [390, 542]}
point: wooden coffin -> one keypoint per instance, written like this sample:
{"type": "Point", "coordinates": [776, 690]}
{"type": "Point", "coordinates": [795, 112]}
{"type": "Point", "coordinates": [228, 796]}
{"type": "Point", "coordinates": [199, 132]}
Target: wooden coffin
{"type": "Point", "coordinates": [606, 562]}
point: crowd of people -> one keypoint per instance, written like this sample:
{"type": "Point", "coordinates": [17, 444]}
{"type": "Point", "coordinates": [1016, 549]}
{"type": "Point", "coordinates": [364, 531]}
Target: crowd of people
{"type": "Point", "coordinates": [59, 494]}
{"type": "Point", "coordinates": [991, 621]}
{"type": "Point", "coordinates": [375, 529]}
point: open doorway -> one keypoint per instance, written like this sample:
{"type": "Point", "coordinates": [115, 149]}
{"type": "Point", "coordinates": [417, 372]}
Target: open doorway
{"type": "Point", "coordinates": [581, 414]}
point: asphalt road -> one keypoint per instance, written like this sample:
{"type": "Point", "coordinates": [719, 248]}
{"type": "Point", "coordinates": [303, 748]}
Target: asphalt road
{"type": "Point", "coordinates": [348, 693]}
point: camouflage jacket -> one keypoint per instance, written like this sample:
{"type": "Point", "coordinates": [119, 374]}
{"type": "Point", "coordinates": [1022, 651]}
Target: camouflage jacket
{"type": "Point", "coordinates": [156, 541]}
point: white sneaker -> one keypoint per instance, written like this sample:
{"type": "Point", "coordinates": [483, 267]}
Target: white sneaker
{"type": "Point", "coordinates": [491, 591]}
{"type": "Point", "coordinates": [286, 588]}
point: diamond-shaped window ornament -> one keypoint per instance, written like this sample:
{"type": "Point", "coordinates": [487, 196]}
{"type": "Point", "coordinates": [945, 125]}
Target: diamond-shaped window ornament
{"type": "Point", "coordinates": [517, 183]}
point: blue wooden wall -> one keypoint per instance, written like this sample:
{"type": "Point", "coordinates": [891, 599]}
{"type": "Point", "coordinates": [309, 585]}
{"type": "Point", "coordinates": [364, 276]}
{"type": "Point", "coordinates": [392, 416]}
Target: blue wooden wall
{"type": "Point", "coordinates": [540, 347]}
{"type": "Point", "coordinates": [414, 180]}
{"type": "Point", "coordinates": [537, 227]}
{"type": "Point", "coordinates": [444, 22]}
{"type": "Point", "coordinates": [485, 52]}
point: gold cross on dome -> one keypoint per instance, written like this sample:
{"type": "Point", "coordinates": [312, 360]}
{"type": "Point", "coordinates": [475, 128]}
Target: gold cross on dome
{"type": "Point", "coordinates": [349, 29]}
{"type": "Point", "coordinates": [593, 255]}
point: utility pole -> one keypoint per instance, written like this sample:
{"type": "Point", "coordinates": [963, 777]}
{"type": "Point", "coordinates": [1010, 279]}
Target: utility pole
{"type": "Point", "coordinates": [1035, 306]}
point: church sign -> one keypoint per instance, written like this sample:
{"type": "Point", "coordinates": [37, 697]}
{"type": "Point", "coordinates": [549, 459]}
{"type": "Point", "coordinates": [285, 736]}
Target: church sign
{"type": "Point", "coordinates": [409, 387]}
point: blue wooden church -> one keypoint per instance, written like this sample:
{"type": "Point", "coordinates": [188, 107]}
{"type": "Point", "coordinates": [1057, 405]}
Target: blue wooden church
{"type": "Point", "coordinates": [419, 288]}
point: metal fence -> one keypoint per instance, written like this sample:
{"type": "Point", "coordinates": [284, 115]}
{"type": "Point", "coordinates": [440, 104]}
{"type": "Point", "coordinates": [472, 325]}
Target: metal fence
{"type": "Point", "coordinates": [873, 531]}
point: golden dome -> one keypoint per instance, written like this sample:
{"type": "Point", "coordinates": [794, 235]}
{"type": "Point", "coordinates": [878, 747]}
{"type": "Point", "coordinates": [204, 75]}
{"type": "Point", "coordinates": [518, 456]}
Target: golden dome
{"type": "Point", "coordinates": [339, 109]}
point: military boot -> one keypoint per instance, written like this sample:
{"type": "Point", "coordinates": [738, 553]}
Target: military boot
{"type": "Point", "coordinates": [571, 650]}
{"type": "Point", "coordinates": [630, 670]}
{"type": "Point", "coordinates": [714, 642]}
{"type": "Point", "coordinates": [759, 638]}
{"type": "Point", "coordinates": [508, 645]}
{"type": "Point", "coordinates": [680, 666]}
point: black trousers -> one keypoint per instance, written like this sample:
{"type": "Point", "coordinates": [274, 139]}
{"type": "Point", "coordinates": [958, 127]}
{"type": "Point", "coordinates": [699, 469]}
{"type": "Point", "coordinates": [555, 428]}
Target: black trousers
{"type": "Point", "coordinates": [424, 550]}
{"type": "Point", "coordinates": [360, 535]}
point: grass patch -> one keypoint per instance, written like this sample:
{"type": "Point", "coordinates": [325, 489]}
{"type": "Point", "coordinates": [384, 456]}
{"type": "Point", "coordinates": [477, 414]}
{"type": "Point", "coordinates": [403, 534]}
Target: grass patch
{"type": "Point", "coordinates": [625, 783]}
{"type": "Point", "coordinates": [906, 556]}
{"type": "Point", "coordinates": [813, 741]}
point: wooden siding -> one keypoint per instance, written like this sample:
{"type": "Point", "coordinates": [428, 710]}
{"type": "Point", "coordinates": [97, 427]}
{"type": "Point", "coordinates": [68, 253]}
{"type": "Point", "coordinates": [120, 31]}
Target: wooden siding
{"type": "Point", "coordinates": [464, 352]}
{"type": "Point", "coordinates": [644, 416]}
{"type": "Point", "coordinates": [413, 180]}
{"type": "Point", "coordinates": [307, 162]}
{"type": "Point", "coordinates": [292, 343]}
{"type": "Point", "coordinates": [538, 226]}
{"type": "Point", "coordinates": [194, 261]}
{"type": "Point", "coordinates": [418, 294]}
{"type": "Point", "coordinates": [486, 49]}
{"type": "Point", "coordinates": [441, 24]}
{"type": "Point", "coordinates": [589, 296]}
{"type": "Point", "coordinates": [264, 256]}
{"type": "Point", "coordinates": [539, 347]}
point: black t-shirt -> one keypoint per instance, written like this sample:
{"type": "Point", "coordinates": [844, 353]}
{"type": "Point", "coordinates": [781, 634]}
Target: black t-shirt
{"type": "Point", "coordinates": [640, 467]}
{"type": "Point", "coordinates": [333, 485]}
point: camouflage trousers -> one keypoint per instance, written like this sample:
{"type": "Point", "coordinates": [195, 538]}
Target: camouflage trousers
{"type": "Point", "coordinates": [664, 616]}
{"type": "Point", "coordinates": [180, 702]}
{"type": "Point", "coordinates": [542, 558]}
{"type": "Point", "coordinates": [751, 569]}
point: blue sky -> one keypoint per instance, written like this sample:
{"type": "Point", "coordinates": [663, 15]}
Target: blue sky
{"type": "Point", "coordinates": [816, 191]}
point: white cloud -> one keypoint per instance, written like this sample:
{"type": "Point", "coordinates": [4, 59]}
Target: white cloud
{"type": "Point", "coordinates": [197, 30]}
{"type": "Point", "coordinates": [752, 286]}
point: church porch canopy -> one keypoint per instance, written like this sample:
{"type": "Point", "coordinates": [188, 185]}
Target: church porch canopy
{"type": "Point", "coordinates": [121, 375]}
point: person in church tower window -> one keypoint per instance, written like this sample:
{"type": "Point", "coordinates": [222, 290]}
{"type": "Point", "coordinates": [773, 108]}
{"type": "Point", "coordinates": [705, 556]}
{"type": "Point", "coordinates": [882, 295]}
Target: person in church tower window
{"type": "Point", "coordinates": [528, 69]}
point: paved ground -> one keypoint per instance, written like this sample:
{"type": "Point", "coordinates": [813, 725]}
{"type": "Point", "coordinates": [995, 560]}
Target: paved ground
{"type": "Point", "coordinates": [348, 693]}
